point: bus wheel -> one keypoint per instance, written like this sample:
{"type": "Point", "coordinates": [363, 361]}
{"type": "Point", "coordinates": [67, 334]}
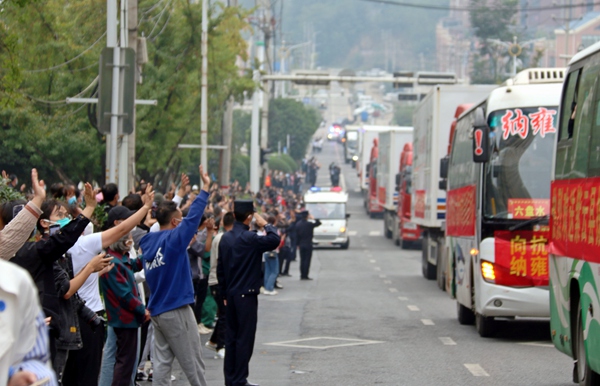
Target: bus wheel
{"type": "Point", "coordinates": [585, 375]}
{"type": "Point", "coordinates": [388, 233]}
{"type": "Point", "coordinates": [485, 325]}
{"type": "Point", "coordinates": [465, 315]}
{"type": "Point", "coordinates": [346, 244]}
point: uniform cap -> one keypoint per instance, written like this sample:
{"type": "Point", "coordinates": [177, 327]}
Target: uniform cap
{"type": "Point", "coordinates": [243, 206]}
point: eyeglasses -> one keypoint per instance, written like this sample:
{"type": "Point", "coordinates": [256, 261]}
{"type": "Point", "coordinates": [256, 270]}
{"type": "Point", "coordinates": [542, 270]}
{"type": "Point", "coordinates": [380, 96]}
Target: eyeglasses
{"type": "Point", "coordinates": [62, 215]}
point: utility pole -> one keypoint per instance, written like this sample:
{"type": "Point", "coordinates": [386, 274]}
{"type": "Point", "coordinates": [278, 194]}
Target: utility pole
{"type": "Point", "coordinates": [123, 170]}
{"type": "Point", "coordinates": [254, 141]}
{"type": "Point", "coordinates": [204, 92]}
{"type": "Point", "coordinates": [227, 129]}
{"type": "Point", "coordinates": [132, 22]}
{"type": "Point", "coordinates": [111, 41]}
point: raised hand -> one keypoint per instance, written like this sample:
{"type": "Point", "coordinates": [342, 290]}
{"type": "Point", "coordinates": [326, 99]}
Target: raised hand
{"type": "Point", "coordinates": [99, 262]}
{"type": "Point", "coordinates": [205, 179]}
{"type": "Point", "coordinates": [148, 197]}
{"type": "Point", "coordinates": [38, 189]}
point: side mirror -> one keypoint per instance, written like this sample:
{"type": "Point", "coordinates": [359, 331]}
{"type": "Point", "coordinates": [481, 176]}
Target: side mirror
{"type": "Point", "coordinates": [398, 179]}
{"type": "Point", "coordinates": [481, 138]}
{"type": "Point", "coordinates": [347, 215]}
{"type": "Point", "coordinates": [443, 184]}
{"type": "Point", "coordinates": [444, 162]}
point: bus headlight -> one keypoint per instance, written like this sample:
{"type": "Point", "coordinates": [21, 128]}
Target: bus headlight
{"type": "Point", "coordinates": [487, 271]}
{"type": "Point", "coordinates": [343, 230]}
{"type": "Point", "coordinates": [355, 158]}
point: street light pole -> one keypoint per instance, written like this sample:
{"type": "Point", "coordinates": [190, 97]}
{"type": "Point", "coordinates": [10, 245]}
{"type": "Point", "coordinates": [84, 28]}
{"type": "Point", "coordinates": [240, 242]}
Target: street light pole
{"type": "Point", "coordinates": [204, 93]}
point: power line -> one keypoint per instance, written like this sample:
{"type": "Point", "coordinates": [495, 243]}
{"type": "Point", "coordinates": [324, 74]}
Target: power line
{"type": "Point", "coordinates": [68, 61]}
{"type": "Point", "coordinates": [490, 8]}
{"type": "Point", "coordinates": [63, 101]}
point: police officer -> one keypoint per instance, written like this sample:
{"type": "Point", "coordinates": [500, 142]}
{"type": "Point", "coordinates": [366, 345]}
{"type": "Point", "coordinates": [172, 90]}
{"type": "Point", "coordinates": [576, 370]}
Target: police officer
{"type": "Point", "coordinates": [239, 277]}
{"type": "Point", "coordinates": [304, 236]}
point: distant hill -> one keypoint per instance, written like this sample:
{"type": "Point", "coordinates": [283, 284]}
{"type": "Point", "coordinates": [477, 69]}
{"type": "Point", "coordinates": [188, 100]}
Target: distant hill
{"type": "Point", "coordinates": [358, 34]}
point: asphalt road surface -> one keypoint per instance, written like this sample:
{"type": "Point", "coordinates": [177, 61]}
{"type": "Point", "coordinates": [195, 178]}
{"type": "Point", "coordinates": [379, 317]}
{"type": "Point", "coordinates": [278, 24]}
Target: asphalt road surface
{"type": "Point", "coordinates": [370, 318]}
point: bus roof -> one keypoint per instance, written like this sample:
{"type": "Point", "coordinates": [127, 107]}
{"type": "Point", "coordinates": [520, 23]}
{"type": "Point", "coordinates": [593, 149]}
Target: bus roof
{"type": "Point", "coordinates": [325, 196]}
{"type": "Point", "coordinates": [585, 53]}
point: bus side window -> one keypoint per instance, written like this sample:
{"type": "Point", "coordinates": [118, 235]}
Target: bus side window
{"type": "Point", "coordinates": [569, 106]}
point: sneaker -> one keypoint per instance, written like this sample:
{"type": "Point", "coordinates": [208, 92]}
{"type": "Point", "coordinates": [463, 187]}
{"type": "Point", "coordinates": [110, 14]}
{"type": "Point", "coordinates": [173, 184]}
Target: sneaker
{"type": "Point", "coordinates": [221, 354]}
{"type": "Point", "coordinates": [211, 346]}
{"type": "Point", "coordinates": [173, 378]}
{"type": "Point", "coordinates": [271, 292]}
{"type": "Point", "coordinates": [262, 290]}
{"type": "Point", "coordinates": [203, 330]}
{"type": "Point", "coordinates": [278, 285]}
{"type": "Point", "coordinates": [141, 376]}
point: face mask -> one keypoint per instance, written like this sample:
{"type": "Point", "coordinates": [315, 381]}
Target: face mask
{"type": "Point", "coordinates": [72, 200]}
{"type": "Point", "coordinates": [63, 221]}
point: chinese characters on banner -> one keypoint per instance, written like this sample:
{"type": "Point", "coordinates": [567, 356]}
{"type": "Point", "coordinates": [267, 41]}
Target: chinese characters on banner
{"type": "Point", "coordinates": [524, 208]}
{"type": "Point", "coordinates": [420, 203]}
{"type": "Point", "coordinates": [514, 122]}
{"type": "Point", "coordinates": [524, 254]}
{"type": "Point", "coordinates": [461, 216]}
{"type": "Point", "coordinates": [574, 220]}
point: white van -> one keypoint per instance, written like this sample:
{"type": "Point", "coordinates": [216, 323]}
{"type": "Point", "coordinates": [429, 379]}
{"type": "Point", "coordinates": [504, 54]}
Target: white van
{"type": "Point", "coordinates": [328, 204]}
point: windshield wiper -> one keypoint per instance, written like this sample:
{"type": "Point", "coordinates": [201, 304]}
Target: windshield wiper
{"type": "Point", "coordinates": [533, 220]}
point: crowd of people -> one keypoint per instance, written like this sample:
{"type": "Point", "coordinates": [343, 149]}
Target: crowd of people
{"type": "Point", "coordinates": [114, 299]}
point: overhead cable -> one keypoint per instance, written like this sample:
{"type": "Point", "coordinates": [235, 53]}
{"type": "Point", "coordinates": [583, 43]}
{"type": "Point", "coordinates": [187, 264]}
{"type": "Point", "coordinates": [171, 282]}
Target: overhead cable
{"type": "Point", "coordinates": [70, 60]}
{"type": "Point", "coordinates": [485, 7]}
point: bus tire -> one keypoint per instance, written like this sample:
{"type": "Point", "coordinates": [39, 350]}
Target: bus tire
{"type": "Point", "coordinates": [346, 244]}
{"type": "Point", "coordinates": [585, 375]}
{"type": "Point", "coordinates": [429, 270]}
{"type": "Point", "coordinates": [386, 231]}
{"type": "Point", "coordinates": [465, 315]}
{"type": "Point", "coordinates": [485, 325]}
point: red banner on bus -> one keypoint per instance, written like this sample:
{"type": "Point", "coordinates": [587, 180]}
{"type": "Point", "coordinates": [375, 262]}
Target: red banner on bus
{"type": "Point", "coordinates": [524, 208]}
{"type": "Point", "coordinates": [460, 214]}
{"type": "Point", "coordinates": [524, 257]}
{"type": "Point", "coordinates": [574, 218]}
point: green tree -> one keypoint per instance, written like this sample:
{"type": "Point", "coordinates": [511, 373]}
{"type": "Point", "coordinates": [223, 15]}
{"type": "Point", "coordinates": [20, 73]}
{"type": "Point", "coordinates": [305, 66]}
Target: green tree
{"type": "Point", "coordinates": [241, 129]}
{"type": "Point", "coordinates": [287, 116]}
{"type": "Point", "coordinates": [491, 20]}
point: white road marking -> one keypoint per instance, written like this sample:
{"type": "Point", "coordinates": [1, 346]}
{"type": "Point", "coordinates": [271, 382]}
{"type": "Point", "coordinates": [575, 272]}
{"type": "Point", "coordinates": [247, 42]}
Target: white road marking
{"type": "Point", "coordinates": [344, 342]}
{"type": "Point", "coordinates": [447, 341]}
{"type": "Point", "coordinates": [357, 190]}
{"type": "Point", "coordinates": [372, 261]}
{"type": "Point", "coordinates": [387, 282]}
{"type": "Point", "coordinates": [352, 233]}
{"type": "Point", "coordinates": [413, 308]}
{"type": "Point", "coordinates": [393, 290]}
{"type": "Point", "coordinates": [377, 269]}
{"type": "Point", "coordinates": [427, 322]}
{"type": "Point", "coordinates": [403, 298]}
{"type": "Point", "coordinates": [374, 233]}
{"type": "Point", "coordinates": [537, 344]}
{"type": "Point", "coordinates": [476, 370]}
{"type": "Point", "coordinates": [383, 276]}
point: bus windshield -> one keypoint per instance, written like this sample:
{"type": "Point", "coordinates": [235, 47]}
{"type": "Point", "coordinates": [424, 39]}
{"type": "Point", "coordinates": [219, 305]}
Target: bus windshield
{"type": "Point", "coordinates": [327, 210]}
{"type": "Point", "coordinates": [517, 178]}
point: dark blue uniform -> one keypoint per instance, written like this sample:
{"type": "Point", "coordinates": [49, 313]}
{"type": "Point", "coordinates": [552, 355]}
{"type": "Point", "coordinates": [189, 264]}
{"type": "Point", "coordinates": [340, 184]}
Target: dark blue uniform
{"type": "Point", "coordinates": [240, 279]}
{"type": "Point", "coordinates": [304, 232]}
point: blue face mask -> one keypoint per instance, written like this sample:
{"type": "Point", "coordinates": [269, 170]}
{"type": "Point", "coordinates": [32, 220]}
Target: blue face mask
{"type": "Point", "coordinates": [63, 221]}
{"type": "Point", "coordinates": [72, 200]}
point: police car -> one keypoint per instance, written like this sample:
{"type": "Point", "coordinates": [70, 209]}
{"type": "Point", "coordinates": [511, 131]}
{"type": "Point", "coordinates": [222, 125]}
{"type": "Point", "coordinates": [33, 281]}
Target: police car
{"type": "Point", "coordinates": [328, 204]}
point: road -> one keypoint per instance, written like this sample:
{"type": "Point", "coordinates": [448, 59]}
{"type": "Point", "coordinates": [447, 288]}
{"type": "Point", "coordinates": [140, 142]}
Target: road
{"type": "Point", "coordinates": [369, 317]}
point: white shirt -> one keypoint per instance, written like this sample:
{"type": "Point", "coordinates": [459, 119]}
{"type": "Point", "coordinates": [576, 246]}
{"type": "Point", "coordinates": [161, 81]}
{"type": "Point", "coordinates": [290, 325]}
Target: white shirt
{"type": "Point", "coordinates": [82, 252]}
{"type": "Point", "coordinates": [19, 307]}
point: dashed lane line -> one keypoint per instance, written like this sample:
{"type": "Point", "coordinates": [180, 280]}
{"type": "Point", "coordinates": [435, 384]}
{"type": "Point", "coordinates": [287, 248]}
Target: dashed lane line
{"type": "Point", "coordinates": [427, 322]}
{"type": "Point", "coordinates": [374, 233]}
{"type": "Point", "coordinates": [377, 269]}
{"type": "Point", "coordinates": [393, 290]}
{"type": "Point", "coordinates": [447, 341]}
{"type": "Point", "coordinates": [413, 308]}
{"type": "Point", "coordinates": [352, 233]}
{"type": "Point", "coordinates": [383, 276]}
{"type": "Point", "coordinates": [538, 344]}
{"type": "Point", "coordinates": [387, 282]}
{"type": "Point", "coordinates": [372, 261]}
{"type": "Point", "coordinates": [476, 370]}
{"type": "Point", "coordinates": [403, 298]}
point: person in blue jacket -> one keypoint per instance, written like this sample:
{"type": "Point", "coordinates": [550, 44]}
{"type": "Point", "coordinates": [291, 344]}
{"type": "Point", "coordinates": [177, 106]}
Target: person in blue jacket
{"type": "Point", "coordinates": [240, 279]}
{"type": "Point", "coordinates": [169, 277]}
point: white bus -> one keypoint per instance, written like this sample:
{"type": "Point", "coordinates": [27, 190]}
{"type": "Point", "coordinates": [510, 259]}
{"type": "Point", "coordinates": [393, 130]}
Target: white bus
{"type": "Point", "coordinates": [498, 201]}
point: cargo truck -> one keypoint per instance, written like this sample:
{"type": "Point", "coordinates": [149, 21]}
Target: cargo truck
{"type": "Point", "coordinates": [405, 233]}
{"type": "Point", "coordinates": [431, 121]}
{"type": "Point", "coordinates": [391, 144]}
{"type": "Point", "coordinates": [366, 135]}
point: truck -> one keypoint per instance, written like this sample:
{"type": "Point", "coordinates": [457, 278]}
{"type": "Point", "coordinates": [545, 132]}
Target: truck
{"type": "Point", "coordinates": [431, 121]}
{"type": "Point", "coordinates": [405, 232]}
{"type": "Point", "coordinates": [351, 142]}
{"type": "Point", "coordinates": [366, 135]}
{"type": "Point", "coordinates": [391, 144]}
{"type": "Point", "coordinates": [498, 189]}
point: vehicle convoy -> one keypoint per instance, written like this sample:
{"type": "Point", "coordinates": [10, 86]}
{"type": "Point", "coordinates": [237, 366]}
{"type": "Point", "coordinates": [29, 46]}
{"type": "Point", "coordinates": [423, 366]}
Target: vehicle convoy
{"type": "Point", "coordinates": [405, 232]}
{"type": "Point", "coordinates": [370, 201]}
{"type": "Point", "coordinates": [498, 189]}
{"type": "Point", "coordinates": [391, 144]}
{"type": "Point", "coordinates": [366, 135]}
{"type": "Point", "coordinates": [431, 122]}
{"type": "Point", "coordinates": [351, 145]}
{"type": "Point", "coordinates": [574, 256]}
{"type": "Point", "coordinates": [328, 204]}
